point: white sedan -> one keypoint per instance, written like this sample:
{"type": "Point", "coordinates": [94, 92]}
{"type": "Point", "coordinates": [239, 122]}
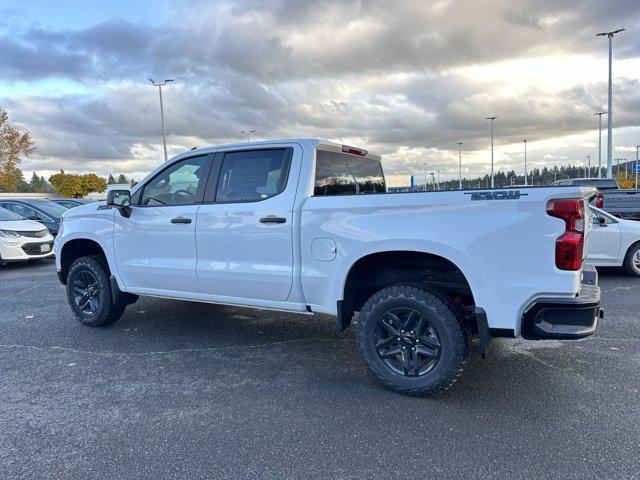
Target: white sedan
{"type": "Point", "coordinates": [614, 242]}
{"type": "Point", "coordinates": [22, 239]}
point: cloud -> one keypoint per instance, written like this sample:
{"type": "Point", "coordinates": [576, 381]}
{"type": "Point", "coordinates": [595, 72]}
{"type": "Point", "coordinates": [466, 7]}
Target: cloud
{"type": "Point", "coordinates": [397, 76]}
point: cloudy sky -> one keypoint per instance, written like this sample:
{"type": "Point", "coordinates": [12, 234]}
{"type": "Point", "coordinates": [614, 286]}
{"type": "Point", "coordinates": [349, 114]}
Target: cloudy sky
{"type": "Point", "coordinates": [406, 79]}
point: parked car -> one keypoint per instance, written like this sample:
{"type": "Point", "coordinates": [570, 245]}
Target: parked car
{"type": "Point", "coordinates": [40, 210]}
{"type": "Point", "coordinates": [307, 226]}
{"type": "Point", "coordinates": [72, 202]}
{"type": "Point", "coordinates": [610, 197]}
{"type": "Point", "coordinates": [22, 239]}
{"type": "Point", "coordinates": [614, 242]}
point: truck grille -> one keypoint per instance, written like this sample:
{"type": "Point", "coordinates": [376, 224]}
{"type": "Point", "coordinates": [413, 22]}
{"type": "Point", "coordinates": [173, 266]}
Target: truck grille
{"type": "Point", "coordinates": [34, 248]}
{"type": "Point", "coordinates": [38, 234]}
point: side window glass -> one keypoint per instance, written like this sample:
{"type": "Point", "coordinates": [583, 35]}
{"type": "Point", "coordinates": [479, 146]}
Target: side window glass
{"type": "Point", "coordinates": [253, 175]}
{"type": "Point", "coordinates": [177, 185]}
{"type": "Point", "coordinates": [22, 210]}
{"type": "Point", "coordinates": [343, 174]}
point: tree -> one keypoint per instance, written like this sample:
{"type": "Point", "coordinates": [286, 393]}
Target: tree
{"type": "Point", "coordinates": [67, 185]}
{"type": "Point", "coordinates": [122, 178]}
{"type": "Point", "coordinates": [74, 186]}
{"type": "Point", "coordinates": [34, 183]}
{"type": "Point", "coordinates": [14, 146]}
{"type": "Point", "coordinates": [92, 183]}
{"type": "Point", "coordinates": [111, 180]}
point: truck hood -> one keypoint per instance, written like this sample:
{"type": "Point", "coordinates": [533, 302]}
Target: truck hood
{"type": "Point", "coordinates": [22, 226]}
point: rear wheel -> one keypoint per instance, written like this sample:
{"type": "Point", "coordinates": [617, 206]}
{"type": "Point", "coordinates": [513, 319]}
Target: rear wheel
{"type": "Point", "coordinates": [632, 260]}
{"type": "Point", "coordinates": [411, 338]}
{"type": "Point", "coordinates": [89, 292]}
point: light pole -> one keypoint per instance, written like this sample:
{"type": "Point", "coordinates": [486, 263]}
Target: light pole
{"type": "Point", "coordinates": [492, 119]}
{"type": "Point", "coordinates": [600, 142]}
{"type": "Point", "coordinates": [247, 133]}
{"type": "Point", "coordinates": [525, 162]}
{"type": "Point", "coordinates": [588, 166]}
{"type": "Point", "coordinates": [164, 137]}
{"type": "Point", "coordinates": [425, 176]}
{"type": "Point", "coordinates": [618, 166]}
{"type": "Point", "coordinates": [609, 35]}
{"type": "Point", "coordinates": [459, 164]}
{"type": "Point", "coordinates": [637, 165]}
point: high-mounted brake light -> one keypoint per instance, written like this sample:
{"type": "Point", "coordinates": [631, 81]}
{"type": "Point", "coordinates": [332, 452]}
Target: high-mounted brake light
{"type": "Point", "coordinates": [569, 245]}
{"type": "Point", "coordinates": [599, 201]}
{"type": "Point", "coordinates": [354, 151]}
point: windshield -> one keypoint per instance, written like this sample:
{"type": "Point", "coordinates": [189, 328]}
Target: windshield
{"type": "Point", "coordinates": [7, 216]}
{"type": "Point", "coordinates": [50, 208]}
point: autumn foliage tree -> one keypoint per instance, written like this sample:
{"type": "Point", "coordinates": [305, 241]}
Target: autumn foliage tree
{"type": "Point", "coordinates": [74, 186]}
{"type": "Point", "coordinates": [14, 146]}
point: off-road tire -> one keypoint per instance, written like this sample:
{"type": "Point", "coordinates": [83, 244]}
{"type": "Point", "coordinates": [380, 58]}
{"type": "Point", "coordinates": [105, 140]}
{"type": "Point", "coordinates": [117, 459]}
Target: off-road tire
{"type": "Point", "coordinates": [106, 312]}
{"type": "Point", "coordinates": [440, 314]}
{"type": "Point", "coordinates": [629, 259]}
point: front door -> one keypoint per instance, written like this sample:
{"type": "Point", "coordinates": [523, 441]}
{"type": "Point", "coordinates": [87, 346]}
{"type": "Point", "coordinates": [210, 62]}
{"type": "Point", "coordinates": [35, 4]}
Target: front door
{"type": "Point", "coordinates": [155, 247]}
{"type": "Point", "coordinates": [604, 240]}
{"type": "Point", "coordinates": [244, 232]}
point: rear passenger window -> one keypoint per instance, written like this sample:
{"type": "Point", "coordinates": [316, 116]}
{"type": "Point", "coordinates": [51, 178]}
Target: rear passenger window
{"type": "Point", "coordinates": [253, 175]}
{"type": "Point", "coordinates": [342, 174]}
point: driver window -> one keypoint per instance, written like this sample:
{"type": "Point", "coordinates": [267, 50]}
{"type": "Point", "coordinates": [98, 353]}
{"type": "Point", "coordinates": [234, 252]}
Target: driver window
{"type": "Point", "coordinates": [23, 210]}
{"type": "Point", "coordinates": [177, 185]}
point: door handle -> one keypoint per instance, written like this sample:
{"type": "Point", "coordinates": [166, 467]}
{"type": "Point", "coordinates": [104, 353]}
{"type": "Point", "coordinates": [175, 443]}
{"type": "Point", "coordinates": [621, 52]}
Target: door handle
{"type": "Point", "coordinates": [180, 220]}
{"type": "Point", "coordinates": [273, 219]}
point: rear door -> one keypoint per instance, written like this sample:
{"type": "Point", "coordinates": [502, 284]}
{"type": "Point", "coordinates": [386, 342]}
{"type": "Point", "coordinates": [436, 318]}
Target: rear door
{"type": "Point", "coordinates": [244, 232]}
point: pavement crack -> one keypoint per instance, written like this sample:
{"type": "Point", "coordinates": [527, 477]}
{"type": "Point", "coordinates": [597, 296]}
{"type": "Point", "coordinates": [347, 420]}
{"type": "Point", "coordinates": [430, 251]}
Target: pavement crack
{"type": "Point", "coordinates": [630, 287]}
{"type": "Point", "coordinates": [167, 352]}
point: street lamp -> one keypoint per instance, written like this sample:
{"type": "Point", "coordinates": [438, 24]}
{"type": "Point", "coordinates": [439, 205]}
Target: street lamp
{"type": "Point", "coordinates": [609, 35]}
{"type": "Point", "coordinates": [588, 166]}
{"type": "Point", "coordinates": [248, 133]}
{"type": "Point", "coordinates": [637, 165]}
{"type": "Point", "coordinates": [459, 164]}
{"type": "Point", "coordinates": [164, 137]}
{"type": "Point", "coordinates": [600, 142]}
{"type": "Point", "coordinates": [492, 119]}
{"type": "Point", "coordinates": [525, 162]}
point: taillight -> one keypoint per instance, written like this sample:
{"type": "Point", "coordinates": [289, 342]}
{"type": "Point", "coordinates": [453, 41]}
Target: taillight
{"type": "Point", "coordinates": [599, 201]}
{"type": "Point", "coordinates": [569, 245]}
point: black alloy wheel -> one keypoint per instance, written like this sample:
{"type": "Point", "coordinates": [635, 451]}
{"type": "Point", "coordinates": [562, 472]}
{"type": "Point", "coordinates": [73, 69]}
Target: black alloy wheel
{"type": "Point", "coordinates": [86, 292]}
{"type": "Point", "coordinates": [406, 342]}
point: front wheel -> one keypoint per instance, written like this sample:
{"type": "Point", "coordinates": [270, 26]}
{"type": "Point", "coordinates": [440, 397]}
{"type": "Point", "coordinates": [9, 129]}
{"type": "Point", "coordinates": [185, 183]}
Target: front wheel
{"type": "Point", "coordinates": [89, 292]}
{"type": "Point", "coordinates": [632, 260]}
{"type": "Point", "coordinates": [412, 340]}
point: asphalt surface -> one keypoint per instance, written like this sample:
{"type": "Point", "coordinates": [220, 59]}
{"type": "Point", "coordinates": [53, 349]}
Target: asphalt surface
{"type": "Point", "coordinates": [186, 390]}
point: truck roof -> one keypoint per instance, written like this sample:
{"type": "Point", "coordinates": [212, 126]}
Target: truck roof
{"type": "Point", "coordinates": [318, 143]}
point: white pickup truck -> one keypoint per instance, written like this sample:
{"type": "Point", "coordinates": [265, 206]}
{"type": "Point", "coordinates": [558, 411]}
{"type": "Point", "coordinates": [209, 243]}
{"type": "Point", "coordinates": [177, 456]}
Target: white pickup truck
{"type": "Point", "coordinates": [307, 226]}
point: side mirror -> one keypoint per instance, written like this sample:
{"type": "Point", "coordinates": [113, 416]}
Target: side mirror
{"type": "Point", "coordinates": [121, 199]}
{"type": "Point", "coordinates": [602, 221]}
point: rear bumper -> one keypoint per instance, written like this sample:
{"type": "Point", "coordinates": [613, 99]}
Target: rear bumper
{"type": "Point", "coordinates": [565, 318]}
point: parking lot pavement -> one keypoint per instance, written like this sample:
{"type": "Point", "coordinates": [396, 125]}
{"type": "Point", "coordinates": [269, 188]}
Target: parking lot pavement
{"type": "Point", "coordinates": [186, 390]}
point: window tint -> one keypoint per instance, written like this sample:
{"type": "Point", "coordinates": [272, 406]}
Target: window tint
{"type": "Point", "coordinates": [22, 210]}
{"type": "Point", "coordinates": [177, 185]}
{"type": "Point", "coordinates": [342, 174]}
{"type": "Point", "coordinates": [253, 175]}
{"type": "Point", "coordinates": [7, 216]}
{"type": "Point", "coordinates": [51, 208]}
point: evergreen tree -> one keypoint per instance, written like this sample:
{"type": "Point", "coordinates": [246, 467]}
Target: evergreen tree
{"type": "Point", "coordinates": [111, 180]}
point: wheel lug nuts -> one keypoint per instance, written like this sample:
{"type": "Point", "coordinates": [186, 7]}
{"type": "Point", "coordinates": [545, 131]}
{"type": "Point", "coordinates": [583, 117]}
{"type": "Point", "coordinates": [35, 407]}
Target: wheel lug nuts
{"type": "Point", "coordinates": [411, 332]}
{"type": "Point", "coordinates": [401, 331]}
